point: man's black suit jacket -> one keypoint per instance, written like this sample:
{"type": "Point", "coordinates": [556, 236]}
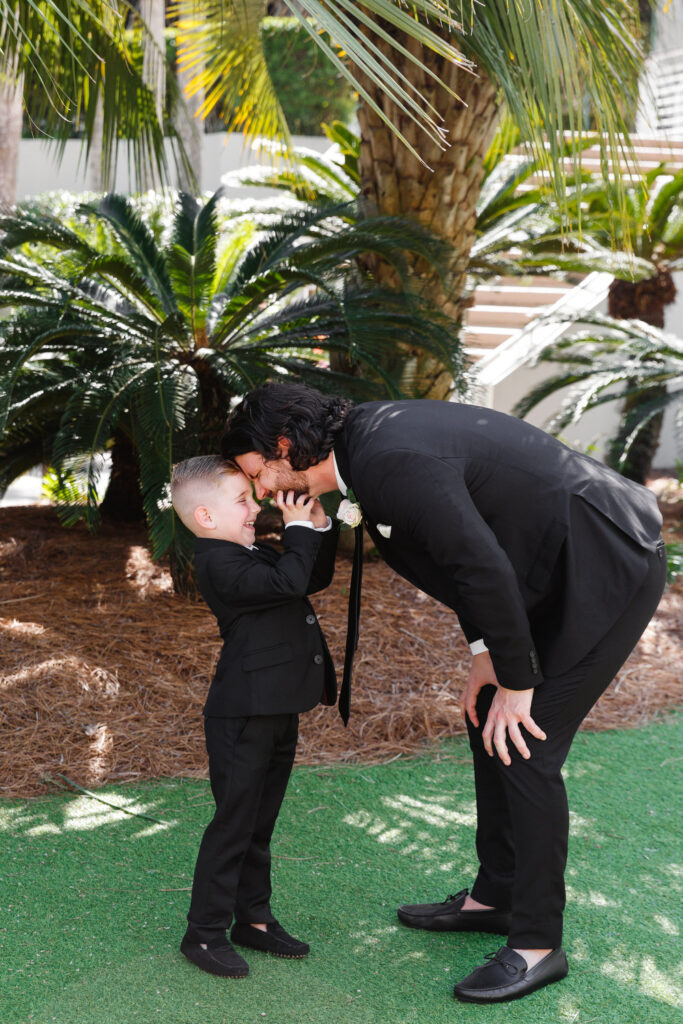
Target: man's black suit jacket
{"type": "Point", "coordinates": [536, 547]}
{"type": "Point", "coordinates": [274, 658]}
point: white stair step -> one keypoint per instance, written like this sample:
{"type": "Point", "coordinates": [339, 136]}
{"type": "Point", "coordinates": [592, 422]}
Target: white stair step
{"type": "Point", "coordinates": [532, 281]}
{"type": "Point", "coordinates": [637, 141]}
{"type": "Point", "coordinates": [526, 296]}
{"type": "Point", "coordinates": [486, 337]}
{"type": "Point", "coordinates": [499, 315]}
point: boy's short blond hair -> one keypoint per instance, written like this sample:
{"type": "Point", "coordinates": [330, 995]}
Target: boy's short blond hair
{"type": "Point", "coordinates": [192, 482]}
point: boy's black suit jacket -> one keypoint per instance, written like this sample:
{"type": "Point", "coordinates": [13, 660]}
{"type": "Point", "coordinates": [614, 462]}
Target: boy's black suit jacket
{"type": "Point", "coordinates": [536, 547]}
{"type": "Point", "coordinates": [274, 658]}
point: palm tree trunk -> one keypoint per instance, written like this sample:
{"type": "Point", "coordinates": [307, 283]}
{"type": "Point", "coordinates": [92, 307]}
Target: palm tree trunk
{"type": "Point", "coordinates": [440, 193]}
{"type": "Point", "coordinates": [190, 131]}
{"type": "Point", "coordinates": [214, 409]}
{"type": "Point", "coordinates": [122, 502]}
{"type": "Point", "coordinates": [215, 402]}
{"type": "Point", "coordinates": [11, 109]}
{"type": "Point", "coordinates": [153, 14]}
{"type": "Point", "coordinates": [641, 300]}
{"type": "Point", "coordinates": [184, 577]}
{"type": "Point", "coordinates": [95, 177]}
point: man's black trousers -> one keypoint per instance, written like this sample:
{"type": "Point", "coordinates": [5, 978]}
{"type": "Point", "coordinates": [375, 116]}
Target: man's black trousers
{"type": "Point", "coordinates": [522, 811]}
{"type": "Point", "coordinates": [250, 761]}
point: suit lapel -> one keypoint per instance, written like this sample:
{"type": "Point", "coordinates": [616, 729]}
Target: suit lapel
{"type": "Point", "coordinates": [341, 455]}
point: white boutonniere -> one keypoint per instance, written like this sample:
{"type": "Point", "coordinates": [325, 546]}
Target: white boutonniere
{"type": "Point", "coordinates": [349, 511]}
{"type": "Point", "coordinates": [384, 529]}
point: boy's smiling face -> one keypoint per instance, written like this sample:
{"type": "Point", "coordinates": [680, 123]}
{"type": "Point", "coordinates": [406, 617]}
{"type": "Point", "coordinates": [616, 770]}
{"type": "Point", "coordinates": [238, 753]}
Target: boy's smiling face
{"type": "Point", "coordinates": [229, 511]}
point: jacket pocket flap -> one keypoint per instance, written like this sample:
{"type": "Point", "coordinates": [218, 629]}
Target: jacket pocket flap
{"type": "Point", "coordinates": [265, 657]}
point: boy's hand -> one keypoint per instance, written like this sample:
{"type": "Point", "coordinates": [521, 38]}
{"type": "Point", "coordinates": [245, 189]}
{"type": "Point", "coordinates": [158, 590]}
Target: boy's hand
{"type": "Point", "coordinates": [318, 516]}
{"type": "Point", "coordinates": [295, 509]}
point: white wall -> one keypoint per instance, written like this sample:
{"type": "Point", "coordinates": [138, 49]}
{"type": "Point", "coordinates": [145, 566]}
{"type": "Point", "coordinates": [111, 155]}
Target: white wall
{"type": "Point", "coordinates": [40, 171]}
{"type": "Point", "coordinates": [668, 26]}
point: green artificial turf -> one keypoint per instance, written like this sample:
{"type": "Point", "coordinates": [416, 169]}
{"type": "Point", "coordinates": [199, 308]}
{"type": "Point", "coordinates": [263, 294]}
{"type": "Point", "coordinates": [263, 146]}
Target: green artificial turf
{"type": "Point", "coordinates": [93, 900]}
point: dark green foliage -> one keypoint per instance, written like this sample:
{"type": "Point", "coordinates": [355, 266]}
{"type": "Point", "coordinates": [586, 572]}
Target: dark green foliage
{"type": "Point", "coordinates": [309, 88]}
{"type": "Point", "coordinates": [113, 334]}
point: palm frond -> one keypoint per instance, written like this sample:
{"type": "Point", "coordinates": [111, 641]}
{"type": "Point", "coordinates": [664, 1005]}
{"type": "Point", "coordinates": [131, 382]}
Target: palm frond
{"type": "Point", "coordinates": [606, 361]}
{"type": "Point", "coordinates": [78, 64]}
{"type": "Point", "coordinates": [139, 243]}
{"type": "Point", "coordinates": [549, 60]}
{"type": "Point", "coordinates": [223, 38]}
{"type": "Point", "coordinates": [191, 260]}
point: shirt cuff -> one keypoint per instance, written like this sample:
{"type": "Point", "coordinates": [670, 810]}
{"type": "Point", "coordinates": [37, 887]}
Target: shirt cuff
{"type": "Point", "coordinates": [309, 524]}
{"type": "Point", "coordinates": [478, 647]}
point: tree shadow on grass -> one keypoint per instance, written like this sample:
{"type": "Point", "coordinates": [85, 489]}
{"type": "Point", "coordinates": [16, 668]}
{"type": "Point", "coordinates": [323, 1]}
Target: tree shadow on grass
{"type": "Point", "coordinates": [94, 899]}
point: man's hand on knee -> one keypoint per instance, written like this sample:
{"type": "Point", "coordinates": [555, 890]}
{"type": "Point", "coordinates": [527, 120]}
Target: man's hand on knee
{"type": "Point", "coordinates": [481, 674]}
{"type": "Point", "coordinates": [510, 709]}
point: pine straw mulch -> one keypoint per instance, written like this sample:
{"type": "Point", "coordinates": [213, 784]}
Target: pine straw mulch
{"type": "Point", "coordinates": [103, 670]}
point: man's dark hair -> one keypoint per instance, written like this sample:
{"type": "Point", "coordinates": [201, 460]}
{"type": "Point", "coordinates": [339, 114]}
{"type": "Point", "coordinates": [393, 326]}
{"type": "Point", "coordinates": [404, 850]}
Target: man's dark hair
{"type": "Point", "coordinates": [310, 420]}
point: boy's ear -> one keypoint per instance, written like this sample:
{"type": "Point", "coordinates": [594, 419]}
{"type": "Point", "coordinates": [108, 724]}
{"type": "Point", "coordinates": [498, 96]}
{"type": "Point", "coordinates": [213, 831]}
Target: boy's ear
{"type": "Point", "coordinates": [202, 517]}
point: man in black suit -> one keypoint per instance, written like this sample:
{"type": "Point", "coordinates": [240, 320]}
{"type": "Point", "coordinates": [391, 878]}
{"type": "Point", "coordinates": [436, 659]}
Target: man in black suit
{"type": "Point", "coordinates": [274, 663]}
{"type": "Point", "coordinates": [553, 564]}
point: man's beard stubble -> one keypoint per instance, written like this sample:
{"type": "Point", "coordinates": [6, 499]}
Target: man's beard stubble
{"type": "Point", "coordinates": [292, 480]}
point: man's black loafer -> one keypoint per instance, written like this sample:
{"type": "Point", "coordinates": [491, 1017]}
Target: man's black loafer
{"type": "Point", "coordinates": [275, 940]}
{"type": "Point", "coordinates": [450, 917]}
{"type": "Point", "coordinates": [506, 976]}
{"type": "Point", "coordinates": [219, 958]}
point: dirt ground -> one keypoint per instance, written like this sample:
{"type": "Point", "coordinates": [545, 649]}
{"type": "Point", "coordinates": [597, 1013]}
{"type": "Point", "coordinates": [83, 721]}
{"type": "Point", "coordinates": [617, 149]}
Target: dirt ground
{"type": "Point", "coordinates": [104, 670]}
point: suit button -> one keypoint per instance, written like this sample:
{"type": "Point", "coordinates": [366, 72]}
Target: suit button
{"type": "Point", "coordinates": [310, 619]}
{"type": "Point", "coordinates": [318, 659]}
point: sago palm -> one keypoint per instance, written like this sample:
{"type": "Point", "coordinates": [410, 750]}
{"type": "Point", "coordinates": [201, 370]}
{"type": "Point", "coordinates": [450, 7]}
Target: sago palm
{"type": "Point", "coordinates": [607, 360]}
{"type": "Point", "coordinates": [306, 174]}
{"type": "Point", "coordinates": [651, 219]}
{"type": "Point", "coordinates": [153, 343]}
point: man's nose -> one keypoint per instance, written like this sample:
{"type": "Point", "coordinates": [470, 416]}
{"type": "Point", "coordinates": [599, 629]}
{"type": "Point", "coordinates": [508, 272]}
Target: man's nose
{"type": "Point", "coordinates": [261, 491]}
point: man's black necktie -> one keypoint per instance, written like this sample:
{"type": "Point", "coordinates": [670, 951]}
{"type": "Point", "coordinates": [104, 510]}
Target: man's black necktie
{"type": "Point", "coordinates": [352, 626]}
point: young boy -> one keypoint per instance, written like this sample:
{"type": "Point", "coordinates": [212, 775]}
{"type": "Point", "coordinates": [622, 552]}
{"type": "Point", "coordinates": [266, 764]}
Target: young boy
{"type": "Point", "coordinates": [274, 664]}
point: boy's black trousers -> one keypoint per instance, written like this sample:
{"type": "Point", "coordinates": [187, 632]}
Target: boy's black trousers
{"type": "Point", "coordinates": [250, 760]}
{"type": "Point", "coordinates": [522, 811]}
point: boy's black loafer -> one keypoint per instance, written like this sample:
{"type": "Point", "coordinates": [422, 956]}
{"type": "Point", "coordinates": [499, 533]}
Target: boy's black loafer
{"type": "Point", "coordinates": [275, 940]}
{"type": "Point", "coordinates": [219, 957]}
{"type": "Point", "coordinates": [450, 917]}
{"type": "Point", "coordinates": [506, 976]}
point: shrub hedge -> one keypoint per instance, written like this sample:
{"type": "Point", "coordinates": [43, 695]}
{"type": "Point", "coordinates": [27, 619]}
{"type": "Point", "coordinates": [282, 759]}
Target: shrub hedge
{"type": "Point", "coordinates": [309, 87]}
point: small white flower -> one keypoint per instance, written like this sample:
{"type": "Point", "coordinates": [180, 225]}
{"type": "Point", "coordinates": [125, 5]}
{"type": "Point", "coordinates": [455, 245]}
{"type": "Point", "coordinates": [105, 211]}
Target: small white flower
{"type": "Point", "coordinates": [349, 513]}
{"type": "Point", "coordinates": [384, 530]}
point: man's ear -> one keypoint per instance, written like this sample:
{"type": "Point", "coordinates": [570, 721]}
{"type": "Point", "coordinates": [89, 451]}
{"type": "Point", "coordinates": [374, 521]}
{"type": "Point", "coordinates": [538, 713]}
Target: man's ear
{"type": "Point", "coordinates": [284, 444]}
{"type": "Point", "coordinates": [202, 517]}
